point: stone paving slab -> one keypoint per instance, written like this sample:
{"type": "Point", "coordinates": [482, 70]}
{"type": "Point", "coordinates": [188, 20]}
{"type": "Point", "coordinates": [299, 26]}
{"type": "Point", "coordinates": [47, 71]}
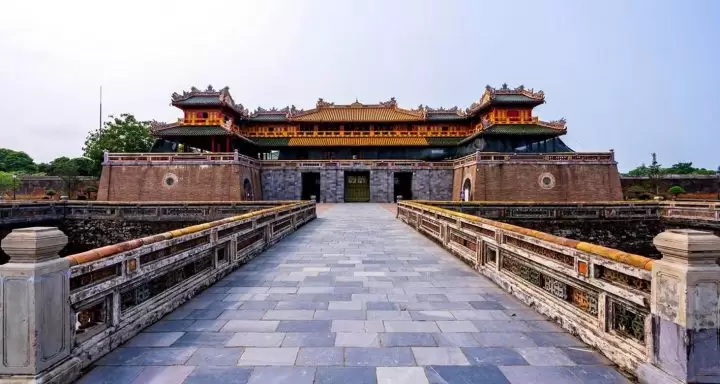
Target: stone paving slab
{"type": "Point", "coordinates": [354, 297]}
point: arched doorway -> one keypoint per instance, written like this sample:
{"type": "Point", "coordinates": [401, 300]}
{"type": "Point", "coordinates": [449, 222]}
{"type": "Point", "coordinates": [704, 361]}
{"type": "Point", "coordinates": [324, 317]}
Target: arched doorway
{"type": "Point", "coordinates": [247, 190]}
{"type": "Point", "coordinates": [466, 190]}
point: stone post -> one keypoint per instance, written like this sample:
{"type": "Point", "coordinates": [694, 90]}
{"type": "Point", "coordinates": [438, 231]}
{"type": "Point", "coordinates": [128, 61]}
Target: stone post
{"type": "Point", "coordinates": [35, 322]}
{"type": "Point", "coordinates": [685, 312]}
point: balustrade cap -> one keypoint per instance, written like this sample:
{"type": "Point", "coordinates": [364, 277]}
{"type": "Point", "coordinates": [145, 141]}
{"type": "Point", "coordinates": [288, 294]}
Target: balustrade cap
{"type": "Point", "coordinates": [688, 245]}
{"type": "Point", "coordinates": [34, 244]}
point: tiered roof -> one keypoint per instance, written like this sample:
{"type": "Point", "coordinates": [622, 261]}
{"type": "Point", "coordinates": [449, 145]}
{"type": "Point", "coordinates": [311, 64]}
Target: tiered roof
{"type": "Point", "coordinates": [384, 111]}
{"type": "Point", "coordinates": [506, 95]}
{"type": "Point", "coordinates": [206, 98]}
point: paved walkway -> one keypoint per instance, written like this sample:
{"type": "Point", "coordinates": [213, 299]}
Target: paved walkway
{"type": "Point", "coordinates": [354, 297]}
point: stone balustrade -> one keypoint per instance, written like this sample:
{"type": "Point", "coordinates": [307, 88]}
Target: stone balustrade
{"type": "Point", "coordinates": [66, 313]}
{"type": "Point", "coordinates": [19, 212]}
{"type": "Point", "coordinates": [635, 310]}
{"type": "Point", "coordinates": [707, 213]}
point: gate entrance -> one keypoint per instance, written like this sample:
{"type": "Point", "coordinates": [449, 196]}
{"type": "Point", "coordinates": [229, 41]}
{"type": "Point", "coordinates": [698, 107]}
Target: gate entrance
{"type": "Point", "coordinates": [402, 185]}
{"type": "Point", "coordinates": [310, 186]}
{"type": "Point", "coordinates": [357, 187]}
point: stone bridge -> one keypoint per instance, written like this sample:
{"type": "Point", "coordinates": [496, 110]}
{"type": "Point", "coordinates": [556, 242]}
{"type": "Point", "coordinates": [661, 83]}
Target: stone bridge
{"type": "Point", "coordinates": [364, 293]}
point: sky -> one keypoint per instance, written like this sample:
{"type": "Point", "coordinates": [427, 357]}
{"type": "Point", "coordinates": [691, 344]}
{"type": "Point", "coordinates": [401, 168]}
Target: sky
{"type": "Point", "coordinates": [636, 76]}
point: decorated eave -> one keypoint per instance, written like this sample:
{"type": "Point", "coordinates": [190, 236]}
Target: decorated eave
{"type": "Point", "coordinates": [159, 129]}
{"type": "Point", "coordinates": [507, 96]}
{"type": "Point", "coordinates": [442, 114]}
{"type": "Point", "coordinates": [274, 114]}
{"type": "Point", "coordinates": [208, 98]}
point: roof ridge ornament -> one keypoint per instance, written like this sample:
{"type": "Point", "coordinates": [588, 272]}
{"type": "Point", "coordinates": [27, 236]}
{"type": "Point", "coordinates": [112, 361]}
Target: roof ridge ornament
{"type": "Point", "coordinates": [322, 103]}
{"type": "Point", "coordinates": [392, 103]}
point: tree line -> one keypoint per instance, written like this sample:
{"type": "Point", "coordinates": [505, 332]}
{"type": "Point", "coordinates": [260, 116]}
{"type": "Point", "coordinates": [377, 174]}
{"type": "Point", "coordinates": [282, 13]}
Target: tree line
{"type": "Point", "coordinates": [119, 134]}
{"type": "Point", "coordinates": [654, 172]}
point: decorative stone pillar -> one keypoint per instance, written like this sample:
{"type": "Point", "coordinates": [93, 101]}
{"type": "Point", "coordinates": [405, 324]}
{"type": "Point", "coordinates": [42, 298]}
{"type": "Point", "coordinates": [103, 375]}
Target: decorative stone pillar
{"type": "Point", "coordinates": [685, 312]}
{"type": "Point", "coordinates": [35, 322]}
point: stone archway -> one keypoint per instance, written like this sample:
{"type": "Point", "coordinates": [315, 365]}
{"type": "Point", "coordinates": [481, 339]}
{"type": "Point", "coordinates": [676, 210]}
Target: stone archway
{"type": "Point", "coordinates": [466, 191]}
{"type": "Point", "coordinates": [247, 190]}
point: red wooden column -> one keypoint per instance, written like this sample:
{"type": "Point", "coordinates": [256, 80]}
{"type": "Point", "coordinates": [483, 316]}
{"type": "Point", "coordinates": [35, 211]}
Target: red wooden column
{"type": "Point", "coordinates": [227, 144]}
{"type": "Point", "coordinates": [212, 143]}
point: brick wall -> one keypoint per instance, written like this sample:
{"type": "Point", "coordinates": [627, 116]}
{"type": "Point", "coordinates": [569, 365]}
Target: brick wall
{"type": "Point", "coordinates": [524, 182]}
{"type": "Point", "coordinates": [183, 182]}
{"type": "Point", "coordinates": [34, 187]}
{"type": "Point", "coordinates": [697, 184]}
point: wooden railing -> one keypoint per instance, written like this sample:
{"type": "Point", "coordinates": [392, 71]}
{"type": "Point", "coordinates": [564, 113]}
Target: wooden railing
{"type": "Point", "coordinates": [599, 294]}
{"type": "Point", "coordinates": [118, 290]}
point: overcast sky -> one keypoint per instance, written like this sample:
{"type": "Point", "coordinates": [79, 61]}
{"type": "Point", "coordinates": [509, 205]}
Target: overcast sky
{"type": "Point", "coordinates": [635, 76]}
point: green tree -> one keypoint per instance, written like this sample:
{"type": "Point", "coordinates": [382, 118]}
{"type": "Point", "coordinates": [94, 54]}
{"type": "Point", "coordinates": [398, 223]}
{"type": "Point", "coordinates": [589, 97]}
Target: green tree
{"type": "Point", "coordinates": [69, 171]}
{"type": "Point", "coordinates": [16, 161]}
{"type": "Point", "coordinates": [687, 169]}
{"type": "Point", "coordinates": [676, 190]}
{"type": "Point", "coordinates": [7, 183]}
{"type": "Point", "coordinates": [642, 170]}
{"type": "Point", "coordinates": [120, 134]}
{"type": "Point", "coordinates": [655, 172]}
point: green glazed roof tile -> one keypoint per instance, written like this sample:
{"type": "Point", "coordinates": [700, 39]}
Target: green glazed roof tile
{"type": "Point", "coordinates": [520, 129]}
{"type": "Point", "coordinates": [271, 141]}
{"type": "Point", "coordinates": [444, 140]}
{"type": "Point", "coordinates": [193, 130]}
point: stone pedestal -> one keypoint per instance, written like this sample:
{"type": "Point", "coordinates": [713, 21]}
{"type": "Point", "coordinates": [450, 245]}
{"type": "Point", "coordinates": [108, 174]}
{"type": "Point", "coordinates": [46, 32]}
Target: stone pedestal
{"type": "Point", "coordinates": [685, 312]}
{"type": "Point", "coordinates": [35, 321]}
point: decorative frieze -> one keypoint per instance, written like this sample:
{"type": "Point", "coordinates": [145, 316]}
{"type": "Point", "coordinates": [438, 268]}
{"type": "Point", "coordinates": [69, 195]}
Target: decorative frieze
{"type": "Point", "coordinates": [166, 252]}
{"type": "Point", "coordinates": [534, 248]}
{"type": "Point", "coordinates": [623, 279]}
{"type": "Point", "coordinates": [96, 276]}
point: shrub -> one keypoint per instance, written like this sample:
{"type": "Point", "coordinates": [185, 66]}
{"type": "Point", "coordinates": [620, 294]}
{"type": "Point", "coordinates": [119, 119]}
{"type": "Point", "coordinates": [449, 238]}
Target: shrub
{"type": "Point", "coordinates": [676, 190]}
{"type": "Point", "coordinates": [50, 192]}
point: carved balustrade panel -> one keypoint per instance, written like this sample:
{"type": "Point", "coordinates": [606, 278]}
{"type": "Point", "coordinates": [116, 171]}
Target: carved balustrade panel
{"type": "Point", "coordinates": [147, 290]}
{"type": "Point", "coordinates": [581, 298]}
{"type": "Point", "coordinates": [627, 320]}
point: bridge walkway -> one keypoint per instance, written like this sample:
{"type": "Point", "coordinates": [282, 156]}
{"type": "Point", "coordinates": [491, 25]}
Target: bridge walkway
{"type": "Point", "coordinates": [355, 296]}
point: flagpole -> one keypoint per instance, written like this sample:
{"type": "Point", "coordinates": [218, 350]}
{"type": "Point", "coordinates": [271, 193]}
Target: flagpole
{"type": "Point", "coordinates": [100, 116]}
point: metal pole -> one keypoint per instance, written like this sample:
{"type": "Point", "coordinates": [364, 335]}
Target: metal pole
{"type": "Point", "coordinates": [100, 116]}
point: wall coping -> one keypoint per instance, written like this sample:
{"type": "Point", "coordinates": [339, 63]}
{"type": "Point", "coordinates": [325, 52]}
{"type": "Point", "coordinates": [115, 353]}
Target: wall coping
{"type": "Point", "coordinates": [475, 158]}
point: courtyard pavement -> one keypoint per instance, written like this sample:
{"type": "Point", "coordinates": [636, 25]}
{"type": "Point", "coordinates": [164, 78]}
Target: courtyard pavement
{"type": "Point", "coordinates": [356, 296]}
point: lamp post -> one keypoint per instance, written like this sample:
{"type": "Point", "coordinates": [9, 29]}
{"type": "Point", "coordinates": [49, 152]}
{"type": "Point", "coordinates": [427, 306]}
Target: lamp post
{"type": "Point", "coordinates": [14, 178]}
{"type": "Point", "coordinates": [718, 182]}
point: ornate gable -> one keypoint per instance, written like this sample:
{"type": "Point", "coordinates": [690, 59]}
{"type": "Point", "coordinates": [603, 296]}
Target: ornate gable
{"type": "Point", "coordinates": [505, 94]}
{"type": "Point", "coordinates": [208, 97]}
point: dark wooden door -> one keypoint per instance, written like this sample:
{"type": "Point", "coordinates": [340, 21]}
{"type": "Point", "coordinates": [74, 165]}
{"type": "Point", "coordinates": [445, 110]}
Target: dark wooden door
{"type": "Point", "coordinates": [357, 187]}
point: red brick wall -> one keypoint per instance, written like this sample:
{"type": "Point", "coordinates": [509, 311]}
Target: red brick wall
{"type": "Point", "coordinates": [191, 182]}
{"type": "Point", "coordinates": [521, 182]}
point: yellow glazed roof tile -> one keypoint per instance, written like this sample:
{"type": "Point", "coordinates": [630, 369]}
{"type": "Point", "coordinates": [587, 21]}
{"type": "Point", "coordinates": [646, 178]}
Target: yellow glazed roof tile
{"type": "Point", "coordinates": [357, 141]}
{"type": "Point", "coordinates": [359, 114]}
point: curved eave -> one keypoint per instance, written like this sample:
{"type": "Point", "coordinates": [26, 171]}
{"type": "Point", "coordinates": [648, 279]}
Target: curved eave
{"type": "Point", "coordinates": [499, 103]}
{"type": "Point", "coordinates": [533, 130]}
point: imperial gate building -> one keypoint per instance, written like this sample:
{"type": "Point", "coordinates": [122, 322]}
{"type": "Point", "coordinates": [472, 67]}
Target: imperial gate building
{"type": "Point", "coordinates": [496, 149]}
